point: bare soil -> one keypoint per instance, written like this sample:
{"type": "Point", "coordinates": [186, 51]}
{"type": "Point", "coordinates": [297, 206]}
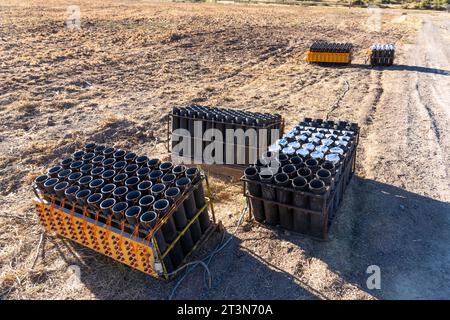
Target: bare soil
{"type": "Point", "coordinates": [114, 81]}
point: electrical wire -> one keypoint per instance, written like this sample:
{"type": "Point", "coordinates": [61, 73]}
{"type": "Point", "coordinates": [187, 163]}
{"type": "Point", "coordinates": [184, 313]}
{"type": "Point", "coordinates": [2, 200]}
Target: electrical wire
{"type": "Point", "coordinates": [190, 266]}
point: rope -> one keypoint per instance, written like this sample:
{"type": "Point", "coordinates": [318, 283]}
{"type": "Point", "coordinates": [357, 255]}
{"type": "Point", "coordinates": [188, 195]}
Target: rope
{"type": "Point", "coordinates": [207, 258]}
{"type": "Point", "coordinates": [193, 264]}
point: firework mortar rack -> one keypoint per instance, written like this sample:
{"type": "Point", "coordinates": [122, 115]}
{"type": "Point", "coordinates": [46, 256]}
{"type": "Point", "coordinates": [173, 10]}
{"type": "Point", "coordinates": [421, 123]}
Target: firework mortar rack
{"type": "Point", "coordinates": [153, 226]}
{"type": "Point", "coordinates": [325, 52]}
{"type": "Point", "coordinates": [316, 161]}
{"type": "Point", "coordinates": [243, 135]}
{"type": "Point", "coordinates": [381, 54]}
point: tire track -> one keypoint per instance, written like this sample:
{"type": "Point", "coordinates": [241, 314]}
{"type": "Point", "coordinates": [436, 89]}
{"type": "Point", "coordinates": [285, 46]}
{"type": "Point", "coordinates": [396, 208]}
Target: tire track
{"type": "Point", "coordinates": [433, 88]}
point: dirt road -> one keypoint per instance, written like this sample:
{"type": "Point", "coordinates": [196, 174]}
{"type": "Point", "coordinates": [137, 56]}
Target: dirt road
{"type": "Point", "coordinates": [114, 82]}
{"type": "Point", "coordinates": [403, 211]}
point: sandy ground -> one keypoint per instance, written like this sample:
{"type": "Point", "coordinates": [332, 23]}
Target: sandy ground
{"type": "Point", "coordinates": [114, 81]}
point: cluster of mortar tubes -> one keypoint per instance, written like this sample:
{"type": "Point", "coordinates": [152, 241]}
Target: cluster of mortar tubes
{"type": "Point", "coordinates": [137, 189]}
{"type": "Point", "coordinates": [222, 136]}
{"type": "Point", "coordinates": [238, 146]}
{"type": "Point", "coordinates": [299, 162]}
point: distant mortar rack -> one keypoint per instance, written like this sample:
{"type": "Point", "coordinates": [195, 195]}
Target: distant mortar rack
{"type": "Point", "coordinates": [381, 54]}
{"type": "Point", "coordinates": [325, 52]}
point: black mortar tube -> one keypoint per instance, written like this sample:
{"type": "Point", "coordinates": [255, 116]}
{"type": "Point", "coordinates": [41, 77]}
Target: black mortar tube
{"type": "Point", "coordinates": [129, 157]}
{"type": "Point", "coordinates": [119, 180]}
{"type": "Point", "coordinates": [268, 193]}
{"type": "Point", "coordinates": [317, 187]}
{"type": "Point", "coordinates": [179, 216]}
{"type": "Point", "coordinates": [60, 189]}
{"type": "Point", "coordinates": [118, 210]}
{"type": "Point", "coordinates": [71, 192]}
{"type": "Point", "coordinates": [312, 164]}
{"type": "Point", "coordinates": [39, 181]}
{"type": "Point", "coordinates": [166, 167]}
{"type": "Point", "coordinates": [74, 177]}
{"type": "Point", "coordinates": [49, 185]}
{"type": "Point", "coordinates": [284, 196]}
{"type": "Point", "coordinates": [239, 149]}
{"type": "Point", "coordinates": [179, 171]}
{"type": "Point", "coordinates": [283, 159]}
{"type": "Point", "coordinates": [155, 176]}
{"type": "Point", "coordinates": [191, 128]}
{"type": "Point", "coordinates": [148, 221]}
{"type": "Point", "coordinates": [290, 170]}
{"type": "Point", "coordinates": [63, 174]}
{"type": "Point", "coordinates": [296, 161]}
{"type": "Point", "coordinates": [254, 189]}
{"type": "Point", "coordinates": [229, 124]}
{"type": "Point", "coordinates": [132, 182]}
{"type": "Point", "coordinates": [329, 166]}
{"type": "Point", "coordinates": [248, 149]}
{"type": "Point", "coordinates": [199, 196]}
{"type": "Point", "coordinates": [108, 163]}
{"type": "Point", "coordinates": [132, 214]}
{"type": "Point", "coordinates": [141, 161]}
{"type": "Point", "coordinates": [82, 196]}
{"type": "Point", "coordinates": [98, 161]}
{"type": "Point", "coordinates": [107, 190]}
{"type": "Point", "coordinates": [66, 163]}
{"type": "Point", "coordinates": [183, 125]}
{"type": "Point", "coordinates": [300, 217]}
{"type": "Point", "coordinates": [175, 122]}
{"type": "Point", "coordinates": [219, 125]}
{"type": "Point", "coordinates": [107, 205]}
{"type": "Point", "coordinates": [158, 190]}
{"type": "Point", "coordinates": [201, 116]}
{"type": "Point", "coordinates": [168, 179]}
{"type": "Point", "coordinates": [161, 207]}
{"type": "Point", "coordinates": [305, 173]}
{"type": "Point", "coordinates": [76, 165]}
{"type": "Point", "coordinates": [53, 172]}
{"type": "Point", "coordinates": [131, 169]}
{"type": "Point", "coordinates": [176, 254]}
{"type": "Point", "coordinates": [132, 197]}
{"type": "Point", "coordinates": [98, 150]}
{"type": "Point", "coordinates": [144, 187]}
{"type": "Point", "coordinates": [143, 173]}
{"type": "Point", "coordinates": [324, 175]}
{"type": "Point", "coordinates": [169, 232]}
{"type": "Point", "coordinates": [146, 202]}
{"type": "Point", "coordinates": [93, 201]}
{"type": "Point", "coordinates": [89, 147]}
{"type": "Point", "coordinates": [77, 155]}
{"type": "Point", "coordinates": [184, 184]}
{"type": "Point", "coordinates": [153, 164]}
{"type": "Point", "coordinates": [96, 172]}
{"type": "Point", "coordinates": [209, 125]}
{"type": "Point", "coordinates": [108, 152]}
{"type": "Point", "coordinates": [120, 193]}
{"type": "Point", "coordinates": [119, 154]}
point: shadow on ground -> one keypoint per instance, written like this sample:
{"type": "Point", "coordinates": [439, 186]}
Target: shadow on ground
{"type": "Point", "coordinates": [407, 235]}
{"type": "Point", "coordinates": [401, 67]}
